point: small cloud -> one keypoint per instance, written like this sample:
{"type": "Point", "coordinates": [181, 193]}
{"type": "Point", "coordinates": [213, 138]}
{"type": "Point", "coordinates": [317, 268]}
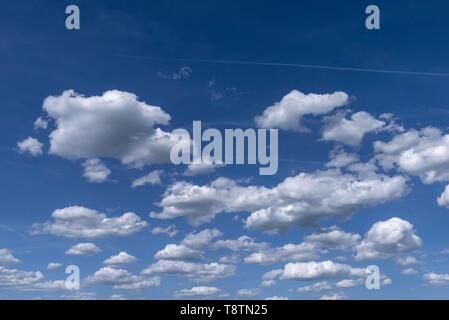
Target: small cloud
{"type": "Point", "coordinates": [31, 145]}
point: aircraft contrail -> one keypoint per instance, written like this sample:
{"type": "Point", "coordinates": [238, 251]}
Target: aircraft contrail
{"type": "Point", "coordinates": [291, 65]}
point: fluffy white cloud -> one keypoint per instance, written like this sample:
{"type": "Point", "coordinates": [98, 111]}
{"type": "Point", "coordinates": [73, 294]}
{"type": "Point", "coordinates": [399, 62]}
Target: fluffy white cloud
{"type": "Point", "coordinates": [334, 296]}
{"type": "Point", "coordinates": [40, 123]}
{"type": "Point", "coordinates": [121, 279]}
{"type": "Point", "coordinates": [6, 257]}
{"type": "Point", "coordinates": [171, 230]}
{"type": "Point", "coordinates": [350, 131]}
{"type": "Point", "coordinates": [178, 252]}
{"type": "Point", "coordinates": [196, 271]}
{"type": "Point", "coordinates": [313, 270]}
{"type": "Point", "coordinates": [423, 153]}
{"type": "Point", "coordinates": [290, 252]}
{"type": "Point", "coordinates": [198, 292]}
{"type": "Point", "coordinates": [277, 298]}
{"type": "Point", "coordinates": [95, 171]}
{"type": "Point", "coordinates": [333, 238]}
{"type": "Point", "coordinates": [152, 178]}
{"type": "Point", "coordinates": [248, 292]}
{"type": "Point", "coordinates": [443, 199]}
{"type": "Point", "coordinates": [437, 279]}
{"type": "Point", "coordinates": [316, 287]}
{"type": "Point", "coordinates": [121, 258]}
{"type": "Point", "coordinates": [31, 145]}
{"type": "Point", "coordinates": [409, 271]}
{"type": "Point", "coordinates": [83, 249]}
{"type": "Point", "coordinates": [287, 113]}
{"type": "Point", "coordinates": [80, 222]}
{"type": "Point", "coordinates": [388, 239]}
{"type": "Point", "coordinates": [243, 243]}
{"type": "Point", "coordinates": [302, 200]}
{"type": "Point", "coordinates": [191, 247]}
{"type": "Point", "coordinates": [54, 266]}
{"type": "Point", "coordinates": [114, 125]}
{"type": "Point", "coordinates": [28, 281]}
{"type": "Point", "coordinates": [406, 261]}
{"type": "Point", "coordinates": [340, 159]}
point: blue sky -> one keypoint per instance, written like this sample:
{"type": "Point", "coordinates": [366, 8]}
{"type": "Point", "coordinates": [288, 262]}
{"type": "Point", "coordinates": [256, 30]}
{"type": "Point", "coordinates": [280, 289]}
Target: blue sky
{"type": "Point", "coordinates": [397, 172]}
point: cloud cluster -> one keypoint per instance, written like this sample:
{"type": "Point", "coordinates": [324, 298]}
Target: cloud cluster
{"type": "Point", "coordinates": [121, 279]}
{"type": "Point", "coordinates": [95, 171]}
{"type": "Point", "coordinates": [302, 200]}
{"type": "Point", "coordinates": [32, 146]}
{"type": "Point", "coordinates": [83, 249]}
{"type": "Point", "coordinates": [6, 257]}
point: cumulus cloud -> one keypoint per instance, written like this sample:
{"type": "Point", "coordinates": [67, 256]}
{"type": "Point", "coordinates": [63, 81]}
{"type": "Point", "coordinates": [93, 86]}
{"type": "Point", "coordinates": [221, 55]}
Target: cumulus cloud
{"type": "Point", "coordinates": [114, 125]}
{"type": "Point", "coordinates": [32, 146]}
{"type": "Point", "coordinates": [6, 257]}
{"type": "Point", "coordinates": [287, 113]}
{"type": "Point", "coordinates": [290, 252]}
{"type": "Point", "coordinates": [316, 287]}
{"type": "Point", "coordinates": [334, 296]}
{"type": "Point", "coordinates": [243, 243]}
{"type": "Point", "coordinates": [54, 266]}
{"type": "Point", "coordinates": [40, 123]}
{"type": "Point", "coordinates": [195, 271]}
{"type": "Point", "coordinates": [333, 238]}
{"type": "Point", "coordinates": [81, 222]}
{"type": "Point", "coordinates": [302, 200]}
{"type": "Point", "coordinates": [201, 291]}
{"type": "Point", "coordinates": [28, 281]}
{"type": "Point", "coordinates": [340, 159]}
{"type": "Point", "coordinates": [152, 178]}
{"type": "Point", "coordinates": [95, 171]}
{"type": "Point", "coordinates": [277, 298]}
{"type": "Point", "coordinates": [350, 131]}
{"type": "Point", "coordinates": [83, 249]}
{"type": "Point", "coordinates": [387, 239]}
{"type": "Point", "coordinates": [443, 199]}
{"type": "Point", "coordinates": [313, 270]}
{"type": "Point", "coordinates": [436, 279]}
{"type": "Point", "coordinates": [191, 247]}
{"type": "Point", "coordinates": [409, 271]}
{"type": "Point", "coordinates": [121, 258]}
{"type": "Point", "coordinates": [171, 230]}
{"type": "Point", "coordinates": [248, 292]}
{"type": "Point", "coordinates": [121, 279]}
{"type": "Point", "coordinates": [423, 153]}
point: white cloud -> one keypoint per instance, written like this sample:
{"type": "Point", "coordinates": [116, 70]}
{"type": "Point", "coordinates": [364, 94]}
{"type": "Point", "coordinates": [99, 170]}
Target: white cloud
{"type": "Point", "coordinates": [409, 271]}
{"type": "Point", "coordinates": [152, 178]}
{"type": "Point", "coordinates": [348, 283]}
{"type": "Point", "coordinates": [313, 270]}
{"type": "Point", "coordinates": [302, 200]}
{"type": "Point", "coordinates": [178, 252]}
{"type": "Point", "coordinates": [287, 113]}
{"type": "Point", "coordinates": [291, 252]}
{"type": "Point", "coordinates": [316, 287]}
{"type": "Point", "coordinates": [387, 239]}
{"type": "Point", "coordinates": [198, 292]}
{"type": "Point", "coordinates": [32, 146]}
{"type": "Point", "coordinates": [27, 281]}
{"type": "Point", "coordinates": [406, 261]}
{"type": "Point", "coordinates": [121, 258]}
{"type": "Point", "coordinates": [195, 271]}
{"type": "Point", "coordinates": [95, 171]}
{"type": "Point", "coordinates": [243, 243]}
{"type": "Point", "coordinates": [114, 125]}
{"type": "Point", "coordinates": [81, 222]}
{"type": "Point", "coordinates": [276, 298]}
{"type": "Point", "coordinates": [333, 238]}
{"type": "Point", "coordinates": [121, 279]}
{"type": "Point", "coordinates": [423, 153]}
{"type": "Point", "coordinates": [350, 131]}
{"type": "Point", "coordinates": [40, 123]}
{"type": "Point", "coordinates": [248, 292]}
{"type": "Point", "coordinates": [341, 159]}
{"type": "Point", "coordinates": [443, 199]}
{"type": "Point", "coordinates": [54, 266]}
{"type": "Point", "coordinates": [334, 296]}
{"type": "Point", "coordinates": [191, 247]}
{"type": "Point", "coordinates": [6, 257]}
{"type": "Point", "coordinates": [83, 249]}
{"type": "Point", "coordinates": [437, 279]}
{"type": "Point", "coordinates": [171, 230]}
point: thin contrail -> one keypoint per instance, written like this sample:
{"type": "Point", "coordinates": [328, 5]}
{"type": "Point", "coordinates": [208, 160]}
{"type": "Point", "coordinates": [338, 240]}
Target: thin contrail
{"type": "Point", "coordinates": [291, 65]}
